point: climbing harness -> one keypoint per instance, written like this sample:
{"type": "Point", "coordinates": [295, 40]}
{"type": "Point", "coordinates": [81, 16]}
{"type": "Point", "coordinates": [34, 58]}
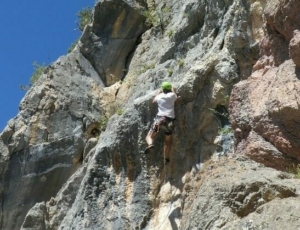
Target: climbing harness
{"type": "Point", "coordinates": [166, 123]}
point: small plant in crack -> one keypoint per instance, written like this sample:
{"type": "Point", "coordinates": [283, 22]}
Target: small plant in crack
{"type": "Point", "coordinates": [170, 71]}
{"type": "Point", "coordinates": [225, 130]}
{"type": "Point", "coordinates": [294, 169]}
{"type": "Point", "coordinates": [146, 67]}
{"type": "Point", "coordinates": [180, 63]}
{"type": "Point", "coordinates": [224, 114]}
{"type": "Point", "coordinates": [170, 33]}
{"type": "Point", "coordinates": [152, 18]}
{"type": "Point", "coordinates": [102, 123]}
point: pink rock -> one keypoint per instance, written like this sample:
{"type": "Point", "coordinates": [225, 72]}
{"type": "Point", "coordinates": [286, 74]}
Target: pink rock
{"type": "Point", "coordinates": [267, 103]}
{"type": "Point", "coordinates": [283, 17]}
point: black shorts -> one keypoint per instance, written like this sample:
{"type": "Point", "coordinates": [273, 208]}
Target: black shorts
{"type": "Point", "coordinates": [164, 123]}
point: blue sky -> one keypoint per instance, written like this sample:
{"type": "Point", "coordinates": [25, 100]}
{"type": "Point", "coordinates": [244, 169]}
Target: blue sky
{"type": "Point", "coordinates": [35, 30]}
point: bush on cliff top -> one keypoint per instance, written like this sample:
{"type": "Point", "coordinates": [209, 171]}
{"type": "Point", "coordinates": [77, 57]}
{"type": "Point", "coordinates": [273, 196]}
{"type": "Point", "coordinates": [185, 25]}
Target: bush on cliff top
{"type": "Point", "coordinates": [85, 17]}
{"type": "Point", "coordinates": [38, 70]}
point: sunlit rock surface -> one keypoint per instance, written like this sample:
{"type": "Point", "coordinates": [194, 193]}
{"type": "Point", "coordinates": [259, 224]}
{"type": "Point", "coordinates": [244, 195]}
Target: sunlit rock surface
{"type": "Point", "coordinates": [73, 157]}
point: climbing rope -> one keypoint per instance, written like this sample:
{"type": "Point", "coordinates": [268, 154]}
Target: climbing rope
{"type": "Point", "coordinates": [171, 192]}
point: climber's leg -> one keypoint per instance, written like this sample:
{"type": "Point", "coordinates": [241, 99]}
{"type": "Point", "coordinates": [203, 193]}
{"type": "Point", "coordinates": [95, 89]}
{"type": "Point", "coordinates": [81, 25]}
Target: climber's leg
{"type": "Point", "coordinates": [167, 147]}
{"type": "Point", "coordinates": [154, 129]}
{"type": "Point", "coordinates": [150, 137]}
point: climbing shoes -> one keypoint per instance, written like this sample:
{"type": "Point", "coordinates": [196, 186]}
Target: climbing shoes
{"type": "Point", "coordinates": [148, 149]}
{"type": "Point", "coordinates": [167, 160]}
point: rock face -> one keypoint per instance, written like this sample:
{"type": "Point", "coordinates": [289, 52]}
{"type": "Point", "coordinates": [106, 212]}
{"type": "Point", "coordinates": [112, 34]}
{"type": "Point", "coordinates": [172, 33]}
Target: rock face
{"type": "Point", "coordinates": [250, 201]}
{"type": "Point", "coordinates": [43, 146]}
{"type": "Point", "coordinates": [73, 157]}
{"type": "Point", "coordinates": [110, 41]}
{"type": "Point", "coordinates": [268, 123]}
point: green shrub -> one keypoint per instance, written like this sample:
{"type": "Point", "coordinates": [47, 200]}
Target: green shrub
{"type": "Point", "coordinates": [85, 17]}
{"type": "Point", "coordinates": [294, 169]}
{"type": "Point", "coordinates": [114, 108]}
{"type": "Point", "coordinates": [120, 111]}
{"type": "Point", "coordinates": [170, 71]}
{"type": "Point", "coordinates": [102, 123]}
{"type": "Point", "coordinates": [38, 70]}
{"type": "Point", "coordinates": [72, 46]}
{"type": "Point", "coordinates": [146, 67]}
{"type": "Point", "coordinates": [154, 17]}
{"type": "Point", "coordinates": [225, 100]}
{"type": "Point", "coordinates": [225, 130]}
{"type": "Point", "coordinates": [166, 10]}
{"type": "Point", "coordinates": [170, 33]}
{"type": "Point", "coordinates": [151, 17]}
{"type": "Point", "coordinates": [180, 63]}
{"type": "Point", "coordinates": [225, 115]}
{"type": "Point", "coordinates": [297, 172]}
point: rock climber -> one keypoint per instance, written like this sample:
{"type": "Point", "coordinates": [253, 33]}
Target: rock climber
{"type": "Point", "coordinates": [164, 120]}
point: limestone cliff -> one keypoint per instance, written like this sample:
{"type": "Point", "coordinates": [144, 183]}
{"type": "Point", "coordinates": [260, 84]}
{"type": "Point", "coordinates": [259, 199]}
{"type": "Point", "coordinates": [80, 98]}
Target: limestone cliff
{"type": "Point", "coordinates": [73, 156]}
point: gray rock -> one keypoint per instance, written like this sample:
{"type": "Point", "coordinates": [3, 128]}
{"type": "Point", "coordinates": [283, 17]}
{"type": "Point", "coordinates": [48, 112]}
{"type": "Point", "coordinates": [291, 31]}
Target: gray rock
{"type": "Point", "coordinates": [43, 146]}
{"type": "Point", "coordinates": [111, 39]}
{"type": "Point", "coordinates": [37, 218]}
{"type": "Point", "coordinates": [247, 202]}
{"type": "Point", "coordinates": [90, 145]}
{"type": "Point", "coordinates": [203, 48]}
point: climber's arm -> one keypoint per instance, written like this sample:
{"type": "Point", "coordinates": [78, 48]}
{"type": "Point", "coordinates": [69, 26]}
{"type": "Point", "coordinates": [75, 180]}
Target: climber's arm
{"type": "Point", "coordinates": [158, 92]}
